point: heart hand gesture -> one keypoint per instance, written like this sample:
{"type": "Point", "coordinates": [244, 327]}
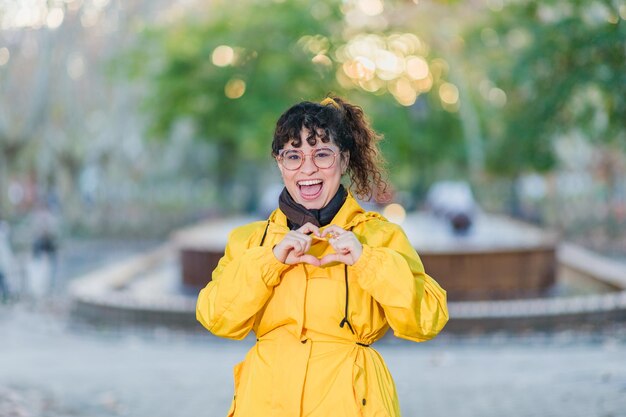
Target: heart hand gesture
{"type": "Point", "coordinates": [348, 248]}
{"type": "Point", "coordinates": [295, 245]}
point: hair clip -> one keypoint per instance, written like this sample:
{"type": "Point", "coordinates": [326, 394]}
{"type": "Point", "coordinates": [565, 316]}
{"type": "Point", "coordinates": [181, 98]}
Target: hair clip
{"type": "Point", "coordinates": [329, 100]}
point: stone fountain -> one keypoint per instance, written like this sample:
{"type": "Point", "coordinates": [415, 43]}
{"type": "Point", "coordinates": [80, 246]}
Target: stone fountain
{"type": "Point", "coordinates": [503, 275]}
{"type": "Point", "coordinates": [498, 259]}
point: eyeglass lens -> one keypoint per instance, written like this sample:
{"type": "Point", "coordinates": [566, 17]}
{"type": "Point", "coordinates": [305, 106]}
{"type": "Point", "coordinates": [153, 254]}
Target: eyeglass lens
{"type": "Point", "coordinates": [294, 158]}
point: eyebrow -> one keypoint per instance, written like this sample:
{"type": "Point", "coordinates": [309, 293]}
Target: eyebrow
{"type": "Point", "coordinates": [328, 146]}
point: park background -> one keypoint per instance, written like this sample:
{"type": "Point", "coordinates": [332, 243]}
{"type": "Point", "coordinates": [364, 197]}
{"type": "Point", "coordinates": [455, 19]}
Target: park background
{"type": "Point", "coordinates": [125, 120]}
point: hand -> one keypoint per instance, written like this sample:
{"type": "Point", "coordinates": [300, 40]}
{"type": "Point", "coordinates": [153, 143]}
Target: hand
{"type": "Point", "coordinates": [295, 245]}
{"type": "Point", "coordinates": [348, 248]}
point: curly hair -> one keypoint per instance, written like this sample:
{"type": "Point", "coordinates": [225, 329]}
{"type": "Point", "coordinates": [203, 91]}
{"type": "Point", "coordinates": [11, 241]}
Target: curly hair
{"type": "Point", "coordinates": [345, 125]}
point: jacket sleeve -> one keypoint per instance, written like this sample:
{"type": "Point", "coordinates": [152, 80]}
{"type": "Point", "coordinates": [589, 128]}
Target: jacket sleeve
{"type": "Point", "coordinates": [415, 305]}
{"type": "Point", "coordinates": [241, 284]}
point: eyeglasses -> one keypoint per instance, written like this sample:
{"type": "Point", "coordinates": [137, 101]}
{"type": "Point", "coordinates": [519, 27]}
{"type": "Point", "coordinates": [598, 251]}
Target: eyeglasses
{"type": "Point", "coordinates": [293, 159]}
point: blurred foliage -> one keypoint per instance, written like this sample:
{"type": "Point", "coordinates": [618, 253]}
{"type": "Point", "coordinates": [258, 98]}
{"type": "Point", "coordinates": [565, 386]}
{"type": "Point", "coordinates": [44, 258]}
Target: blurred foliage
{"type": "Point", "coordinates": [264, 69]}
{"type": "Point", "coordinates": [532, 86]}
{"type": "Point", "coordinates": [423, 142]}
{"type": "Point", "coordinates": [267, 56]}
{"type": "Point", "coordinates": [552, 68]}
{"type": "Point", "coordinates": [530, 72]}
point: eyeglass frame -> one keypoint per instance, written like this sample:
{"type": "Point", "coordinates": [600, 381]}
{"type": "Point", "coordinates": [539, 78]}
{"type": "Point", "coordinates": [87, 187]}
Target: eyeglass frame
{"type": "Point", "coordinates": [280, 157]}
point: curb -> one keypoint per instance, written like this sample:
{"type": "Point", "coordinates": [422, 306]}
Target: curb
{"type": "Point", "coordinates": [100, 298]}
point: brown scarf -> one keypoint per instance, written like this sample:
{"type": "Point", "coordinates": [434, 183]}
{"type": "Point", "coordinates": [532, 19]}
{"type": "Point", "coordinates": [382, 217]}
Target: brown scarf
{"type": "Point", "coordinates": [297, 214]}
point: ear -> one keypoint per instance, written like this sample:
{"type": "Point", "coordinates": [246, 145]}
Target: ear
{"type": "Point", "coordinates": [345, 161]}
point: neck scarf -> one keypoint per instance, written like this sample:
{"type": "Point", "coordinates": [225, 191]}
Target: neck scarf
{"type": "Point", "coordinates": [297, 214]}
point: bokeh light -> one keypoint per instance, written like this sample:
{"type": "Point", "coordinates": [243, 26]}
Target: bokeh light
{"type": "Point", "coordinates": [322, 60]}
{"type": "Point", "coordinates": [388, 65]}
{"type": "Point", "coordinates": [396, 62]}
{"type": "Point", "coordinates": [235, 88]}
{"type": "Point", "coordinates": [361, 68]}
{"type": "Point", "coordinates": [223, 56]}
{"type": "Point", "coordinates": [424, 85]}
{"type": "Point", "coordinates": [497, 97]}
{"type": "Point", "coordinates": [371, 7]}
{"type": "Point", "coordinates": [55, 17]}
{"type": "Point", "coordinates": [395, 213]}
{"type": "Point", "coordinates": [416, 67]}
{"type": "Point", "coordinates": [403, 91]}
{"type": "Point", "coordinates": [449, 95]}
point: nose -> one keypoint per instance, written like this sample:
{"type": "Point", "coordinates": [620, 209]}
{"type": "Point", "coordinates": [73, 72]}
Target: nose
{"type": "Point", "coordinates": [308, 166]}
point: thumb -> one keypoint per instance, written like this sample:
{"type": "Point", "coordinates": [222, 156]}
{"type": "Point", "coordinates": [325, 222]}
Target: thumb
{"type": "Point", "coordinates": [310, 259]}
{"type": "Point", "coordinates": [331, 257]}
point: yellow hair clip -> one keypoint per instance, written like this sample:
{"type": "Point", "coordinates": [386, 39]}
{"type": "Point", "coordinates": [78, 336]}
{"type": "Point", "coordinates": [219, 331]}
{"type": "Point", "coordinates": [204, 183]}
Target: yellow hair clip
{"type": "Point", "coordinates": [330, 101]}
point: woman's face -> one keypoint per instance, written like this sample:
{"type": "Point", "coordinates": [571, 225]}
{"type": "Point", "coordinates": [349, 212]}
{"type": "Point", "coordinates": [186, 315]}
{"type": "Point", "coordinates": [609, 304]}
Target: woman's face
{"type": "Point", "coordinates": [309, 185]}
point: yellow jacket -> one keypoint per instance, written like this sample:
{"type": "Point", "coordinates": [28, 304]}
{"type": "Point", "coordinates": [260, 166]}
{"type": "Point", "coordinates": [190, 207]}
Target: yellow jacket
{"type": "Point", "coordinates": [304, 363]}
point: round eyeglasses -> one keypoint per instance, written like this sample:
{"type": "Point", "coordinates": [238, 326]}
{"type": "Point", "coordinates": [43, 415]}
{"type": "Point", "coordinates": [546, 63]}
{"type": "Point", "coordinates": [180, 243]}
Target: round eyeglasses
{"type": "Point", "coordinates": [293, 159]}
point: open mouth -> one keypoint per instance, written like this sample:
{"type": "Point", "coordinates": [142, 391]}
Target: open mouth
{"type": "Point", "coordinates": [310, 189]}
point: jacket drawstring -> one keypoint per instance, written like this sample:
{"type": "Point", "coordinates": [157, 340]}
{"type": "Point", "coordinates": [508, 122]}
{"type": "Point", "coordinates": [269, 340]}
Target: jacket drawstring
{"type": "Point", "coordinates": [265, 232]}
{"type": "Point", "coordinates": [345, 311]}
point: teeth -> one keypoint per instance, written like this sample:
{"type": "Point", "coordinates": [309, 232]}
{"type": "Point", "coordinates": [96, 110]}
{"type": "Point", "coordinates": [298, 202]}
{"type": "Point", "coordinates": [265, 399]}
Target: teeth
{"type": "Point", "coordinates": [309, 182]}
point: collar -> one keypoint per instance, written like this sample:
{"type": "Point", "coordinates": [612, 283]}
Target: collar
{"type": "Point", "coordinates": [349, 215]}
{"type": "Point", "coordinates": [297, 214]}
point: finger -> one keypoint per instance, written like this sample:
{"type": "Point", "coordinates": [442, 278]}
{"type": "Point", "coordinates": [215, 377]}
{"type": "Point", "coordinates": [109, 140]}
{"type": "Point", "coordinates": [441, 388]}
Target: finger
{"type": "Point", "coordinates": [342, 247]}
{"type": "Point", "coordinates": [300, 241]}
{"type": "Point", "coordinates": [333, 231]}
{"type": "Point", "coordinates": [332, 257]}
{"type": "Point", "coordinates": [347, 240]}
{"type": "Point", "coordinates": [305, 241]}
{"type": "Point", "coordinates": [347, 236]}
{"type": "Point", "coordinates": [309, 259]}
{"type": "Point", "coordinates": [307, 228]}
{"type": "Point", "coordinates": [286, 246]}
{"type": "Point", "coordinates": [292, 246]}
{"type": "Point", "coordinates": [301, 247]}
{"type": "Point", "coordinates": [295, 234]}
{"type": "Point", "coordinates": [339, 241]}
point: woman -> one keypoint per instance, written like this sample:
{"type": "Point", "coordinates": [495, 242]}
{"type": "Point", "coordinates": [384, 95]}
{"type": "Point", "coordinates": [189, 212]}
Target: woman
{"type": "Point", "coordinates": [321, 280]}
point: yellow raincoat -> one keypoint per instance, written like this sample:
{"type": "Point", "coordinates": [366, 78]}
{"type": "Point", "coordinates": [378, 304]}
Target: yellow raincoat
{"type": "Point", "coordinates": [304, 363]}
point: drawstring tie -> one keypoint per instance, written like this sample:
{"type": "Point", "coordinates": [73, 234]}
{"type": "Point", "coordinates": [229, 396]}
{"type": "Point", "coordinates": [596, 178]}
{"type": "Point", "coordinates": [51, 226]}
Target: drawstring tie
{"type": "Point", "coordinates": [345, 311]}
{"type": "Point", "coordinates": [265, 232]}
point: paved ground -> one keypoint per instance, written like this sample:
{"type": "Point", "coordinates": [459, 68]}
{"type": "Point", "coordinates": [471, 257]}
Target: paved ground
{"type": "Point", "coordinates": [51, 369]}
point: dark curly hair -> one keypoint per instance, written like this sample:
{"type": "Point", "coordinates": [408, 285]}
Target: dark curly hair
{"type": "Point", "coordinates": [345, 125]}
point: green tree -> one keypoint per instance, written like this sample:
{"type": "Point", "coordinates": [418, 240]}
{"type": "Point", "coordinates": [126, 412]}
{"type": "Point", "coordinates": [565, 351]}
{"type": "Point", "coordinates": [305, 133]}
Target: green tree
{"type": "Point", "coordinates": [230, 76]}
{"type": "Point", "coordinates": [423, 142]}
{"type": "Point", "coordinates": [554, 67]}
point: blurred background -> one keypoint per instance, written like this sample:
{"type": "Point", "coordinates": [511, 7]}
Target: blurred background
{"type": "Point", "coordinates": [122, 122]}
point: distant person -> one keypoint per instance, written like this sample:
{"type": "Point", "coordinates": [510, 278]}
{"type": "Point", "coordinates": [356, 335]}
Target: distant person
{"type": "Point", "coordinates": [321, 280]}
{"type": "Point", "coordinates": [454, 202]}
{"type": "Point", "coordinates": [45, 251]}
{"type": "Point", "coordinates": [6, 260]}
